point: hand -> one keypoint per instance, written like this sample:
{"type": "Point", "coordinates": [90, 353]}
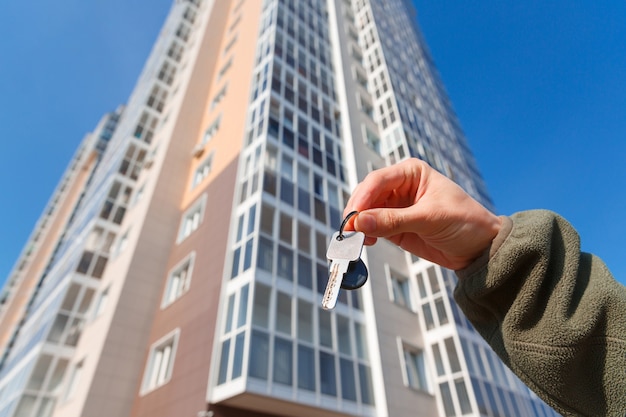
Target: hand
{"type": "Point", "coordinates": [423, 212]}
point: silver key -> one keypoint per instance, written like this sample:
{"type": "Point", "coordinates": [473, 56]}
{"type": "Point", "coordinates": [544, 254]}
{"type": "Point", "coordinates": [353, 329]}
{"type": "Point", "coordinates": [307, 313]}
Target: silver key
{"type": "Point", "coordinates": [341, 251]}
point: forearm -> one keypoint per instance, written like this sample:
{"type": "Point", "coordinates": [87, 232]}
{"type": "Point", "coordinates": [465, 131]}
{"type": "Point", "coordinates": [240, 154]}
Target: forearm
{"type": "Point", "coordinates": [555, 316]}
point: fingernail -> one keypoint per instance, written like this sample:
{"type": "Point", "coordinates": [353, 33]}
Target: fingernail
{"type": "Point", "coordinates": [365, 222]}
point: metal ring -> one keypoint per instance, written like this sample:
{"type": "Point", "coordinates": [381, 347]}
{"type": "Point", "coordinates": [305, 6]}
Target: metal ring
{"type": "Point", "coordinates": [343, 224]}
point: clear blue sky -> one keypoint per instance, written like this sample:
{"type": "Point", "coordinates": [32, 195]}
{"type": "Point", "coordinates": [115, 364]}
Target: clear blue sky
{"type": "Point", "coordinates": [539, 88]}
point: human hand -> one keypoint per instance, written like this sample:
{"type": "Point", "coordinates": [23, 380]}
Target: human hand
{"type": "Point", "coordinates": [423, 212]}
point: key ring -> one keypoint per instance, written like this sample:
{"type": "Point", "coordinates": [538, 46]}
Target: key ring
{"type": "Point", "coordinates": [340, 236]}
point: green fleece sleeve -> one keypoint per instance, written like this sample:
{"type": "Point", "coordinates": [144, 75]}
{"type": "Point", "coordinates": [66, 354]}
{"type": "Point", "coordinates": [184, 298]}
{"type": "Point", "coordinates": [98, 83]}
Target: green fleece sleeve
{"type": "Point", "coordinates": [553, 314]}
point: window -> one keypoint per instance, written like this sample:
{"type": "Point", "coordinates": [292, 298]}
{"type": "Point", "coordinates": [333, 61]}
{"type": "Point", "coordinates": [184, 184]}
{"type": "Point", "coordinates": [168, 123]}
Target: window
{"type": "Point", "coordinates": [101, 303]}
{"type": "Point", "coordinates": [114, 207]}
{"type": "Point", "coordinates": [183, 32]}
{"type": "Point", "coordinates": [178, 281]}
{"type": "Point", "coordinates": [157, 98]}
{"type": "Point", "coordinates": [175, 52]}
{"type": "Point", "coordinates": [225, 68]}
{"type": "Point", "coordinates": [74, 380]}
{"type": "Point", "coordinates": [139, 194]}
{"type": "Point", "coordinates": [192, 218]}
{"type": "Point", "coordinates": [212, 130]}
{"type": "Point", "coordinates": [401, 289]}
{"type": "Point", "coordinates": [203, 170]}
{"type": "Point", "coordinates": [234, 24]}
{"type": "Point", "coordinates": [218, 97]}
{"type": "Point", "coordinates": [160, 362]}
{"type": "Point", "coordinates": [190, 15]}
{"type": "Point", "coordinates": [146, 127]}
{"type": "Point", "coordinates": [372, 140]}
{"type": "Point", "coordinates": [166, 73]}
{"type": "Point", "coordinates": [122, 243]}
{"type": "Point", "coordinates": [230, 44]}
{"type": "Point", "coordinates": [414, 367]}
{"type": "Point", "coordinates": [133, 161]}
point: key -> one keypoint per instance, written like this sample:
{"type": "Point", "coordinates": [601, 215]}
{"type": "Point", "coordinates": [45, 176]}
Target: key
{"type": "Point", "coordinates": [344, 248]}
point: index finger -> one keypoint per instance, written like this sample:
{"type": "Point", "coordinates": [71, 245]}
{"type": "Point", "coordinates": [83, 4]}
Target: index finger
{"type": "Point", "coordinates": [385, 187]}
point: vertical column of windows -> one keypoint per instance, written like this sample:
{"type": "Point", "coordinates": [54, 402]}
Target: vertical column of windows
{"type": "Point", "coordinates": [166, 74]}
{"type": "Point", "coordinates": [302, 191]}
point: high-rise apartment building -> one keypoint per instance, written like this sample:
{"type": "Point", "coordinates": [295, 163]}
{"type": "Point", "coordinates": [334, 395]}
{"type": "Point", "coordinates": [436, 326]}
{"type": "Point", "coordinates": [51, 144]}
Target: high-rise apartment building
{"type": "Point", "coordinates": [179, 267]}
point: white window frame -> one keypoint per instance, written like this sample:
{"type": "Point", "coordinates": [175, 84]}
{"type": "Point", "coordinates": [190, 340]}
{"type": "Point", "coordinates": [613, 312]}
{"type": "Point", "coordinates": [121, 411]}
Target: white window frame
{"type": "Point", "coordinates": [101, 302]}
{"type": "Point", "coordinates": [192, 218]}
{"type": "Point", "coordinates": [179, 285]}
{"type": "Point", "coordinates": [408, 349]}
{"type": "Point", "coordinates": [73, 381]}
{"type": "Point", "coordinates": [394, 277]}
{"type": "Point", "coordinates": [219, 96]}
{"type": "Point", "coordinates": [212, 130]}
{"type": "Point", "coordinates": [155, 374]}
{"type": "Point", "coordinates": [203, 170]}
{"type": "Point", "coordinates": [122, 243]}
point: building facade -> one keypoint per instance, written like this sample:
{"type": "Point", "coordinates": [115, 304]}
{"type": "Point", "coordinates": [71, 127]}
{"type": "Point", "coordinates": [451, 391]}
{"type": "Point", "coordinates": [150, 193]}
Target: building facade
{"type": "Point", "coordinates": [179, 268]}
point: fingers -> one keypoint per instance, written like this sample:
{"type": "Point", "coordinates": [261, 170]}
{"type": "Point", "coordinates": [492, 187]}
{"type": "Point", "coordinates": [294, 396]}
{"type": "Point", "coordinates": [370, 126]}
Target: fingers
{"type": "Point", "coordinates": [390, 186]}
{"type": "Point", "coordinates": [382, 222]}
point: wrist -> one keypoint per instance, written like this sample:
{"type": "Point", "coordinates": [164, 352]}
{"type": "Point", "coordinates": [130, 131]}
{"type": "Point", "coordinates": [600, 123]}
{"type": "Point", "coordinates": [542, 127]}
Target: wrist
{"type": "Point", "coordinates": [502, 229]}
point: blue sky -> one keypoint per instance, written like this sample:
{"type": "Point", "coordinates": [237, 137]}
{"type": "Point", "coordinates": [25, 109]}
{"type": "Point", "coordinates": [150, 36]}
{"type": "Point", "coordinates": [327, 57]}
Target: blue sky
{"type": "Point", "coordinates": [539, 88]}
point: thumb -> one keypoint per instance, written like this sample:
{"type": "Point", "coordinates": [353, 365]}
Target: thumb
{"type": "Point", "coordinates": [383, 222]}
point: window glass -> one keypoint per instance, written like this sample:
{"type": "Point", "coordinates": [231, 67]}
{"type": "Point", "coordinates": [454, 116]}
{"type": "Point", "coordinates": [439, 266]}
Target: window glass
{"type": "Point", "coordinates": [305, 275]}
{"type": "Point", "coordinates": [348, 382]}
{"type": "Point", "coordinates": [360, 341]}
{"type": "Point", "coordinates": [283, 313]}
{"type": "Point", "coordinates": [238, 355]}
{"type": "Point", "coordinates": [343, 335]}
{"type": "Point", "coordinates": [39, 373]}
{"type": "Point", "coordinates": [229, 313]}
{"type": "Point", "coordinates": [304, 237]}
{"type": "Point", "coordinates": [178, 282]}
{"type": "Point", "coordinates": [261, 305]}
{"type": "Point", "coordinates": [242, 316]}
{"type": "Point", "coordinates": [401, 289]}
{"type": "Point", "coordinates": [74, 380]}
{"type": "Point", "coordinates": [328, 374]}
{"type": "Point", "coordinates": [453, 358]}
{"type": "Point", "coordinates": [441, 311]}
{"type": "Point", "coordinates": [365, 381]}
{"type": "Point", "coordinates": [415, 369]}
{"type": "Point", "coordinates": [222, 376]}
{"type": "Point", "coordinates": [285, 263]}
{"type": "Point", "coordinates": [306, 368]}
{"type": "Point", "coordinates": [282, 361]}
{"type": "Point", "coordinates": [446, 398]}
{"type": "Point", "coordinates": [285, 228]}
{"type": "Point", "coordinates": [160, 363]}
{"type": "Point", "coordinates": [326, 335]}
{"type": "Point", "coordinates": [428, 316]}
{"type": "Point", "coordinates": [434, 281]}
{"type": "Point", "coordinates": [258, 365]}
{"type": "Point", "coordinates": [305, 321]}
{"type": "Point", "coordinates": [265, 257]}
